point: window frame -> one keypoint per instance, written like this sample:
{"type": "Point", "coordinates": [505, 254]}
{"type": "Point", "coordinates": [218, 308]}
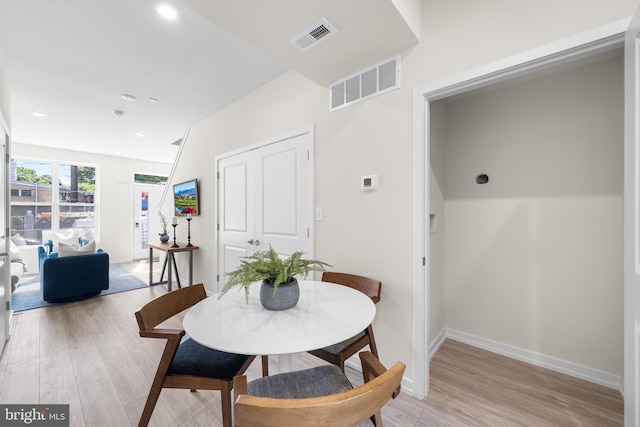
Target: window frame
{"type": "Point", "coordinates": [56, 206]}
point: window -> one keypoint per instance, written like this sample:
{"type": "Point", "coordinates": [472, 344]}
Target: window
{"type": "Point", "coordinates": [20, 193]}
{"type": "Point", "coordinates": [49, 197]}
{"type": "Point", "coordinates": [140, 178]}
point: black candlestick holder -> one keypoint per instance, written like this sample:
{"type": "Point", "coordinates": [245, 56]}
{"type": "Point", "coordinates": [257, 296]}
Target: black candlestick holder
{"type": "Point", "coordinates": [189, 245]}
{"type": "Point", "coordinates": [175, 245]}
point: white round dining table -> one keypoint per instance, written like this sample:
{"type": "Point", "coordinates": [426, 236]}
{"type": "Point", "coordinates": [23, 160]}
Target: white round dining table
{"type": "Point", "coordinates": [326, 314]}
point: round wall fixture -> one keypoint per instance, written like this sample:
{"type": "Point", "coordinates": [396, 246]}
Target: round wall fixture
{"type": "Point", "coordinates": [482, 179]}
{"type": "Point", "coordinates": [167, 11]}
{"type": "Point", "coordinates": [128, 97]}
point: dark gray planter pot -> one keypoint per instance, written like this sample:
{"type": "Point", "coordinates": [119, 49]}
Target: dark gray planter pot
{"type": "Point", "coordinates": [164, 238]}
{"type": "Point", "coordinates": [285, 297]}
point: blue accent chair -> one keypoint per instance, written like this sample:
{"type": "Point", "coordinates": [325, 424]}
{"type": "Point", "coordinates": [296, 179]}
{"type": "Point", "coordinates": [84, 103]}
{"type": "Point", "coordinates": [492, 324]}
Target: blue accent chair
{"type": "Point", "coordinates": [72, 278]}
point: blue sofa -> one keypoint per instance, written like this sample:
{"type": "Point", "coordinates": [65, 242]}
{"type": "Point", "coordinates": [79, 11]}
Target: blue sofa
{"type": "Point", "coordinates": [72, 278]}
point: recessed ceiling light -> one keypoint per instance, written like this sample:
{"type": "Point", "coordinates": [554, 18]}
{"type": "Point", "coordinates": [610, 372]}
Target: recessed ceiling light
{"type": "Point", "coordinates": [118, 113]}
{"type": "Point", "coordinates": [128, 97]}
{"type": "Point", "coordinates": [37, 114]}
{"type": "Point", "coordinates": [153, 100]}
{"type": "Point", "coordinates": [167, 11]}
{"type": "Point", "coordinates": [139, 134]}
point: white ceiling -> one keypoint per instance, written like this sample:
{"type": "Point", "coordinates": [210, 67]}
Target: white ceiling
{"type": "Point", "coordinates": [72, 60]}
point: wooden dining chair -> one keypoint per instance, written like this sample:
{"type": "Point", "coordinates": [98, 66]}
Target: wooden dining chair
{"type": "Point", "coordinates": [339, 353]}
{"type": "Point", "coordinates": [320, 396]}
{"type": "Point", "coordinates": [185, 363]}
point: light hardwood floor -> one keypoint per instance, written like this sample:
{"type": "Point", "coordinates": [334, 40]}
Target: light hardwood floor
{"type": "Point", "coordinates": [89, 354]}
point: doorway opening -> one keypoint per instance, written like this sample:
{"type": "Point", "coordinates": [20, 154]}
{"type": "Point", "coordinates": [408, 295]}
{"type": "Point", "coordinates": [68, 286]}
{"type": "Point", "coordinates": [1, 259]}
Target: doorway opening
{"type": "Point", "coordinates": [427, 335]}
{"type": "Point", "coordinates": [147, 192]}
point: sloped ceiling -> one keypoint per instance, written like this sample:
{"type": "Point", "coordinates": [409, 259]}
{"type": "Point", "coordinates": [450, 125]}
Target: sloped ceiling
{"type": "Point", "coordinates": [72, 59]}
{"type": "Point", "coordinates": [368, 31]}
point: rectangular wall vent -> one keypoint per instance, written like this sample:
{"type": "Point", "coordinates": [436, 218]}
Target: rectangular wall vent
{"type": "Point", "coordinates": [315, 34]}
{"type": "Point", "coordinates": [373, 81]}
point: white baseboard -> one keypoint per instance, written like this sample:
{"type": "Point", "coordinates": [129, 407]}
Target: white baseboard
{"type": "Point", "coordinates": [435, 345]}
{"type": "Point", "coordinates": [562, 366]}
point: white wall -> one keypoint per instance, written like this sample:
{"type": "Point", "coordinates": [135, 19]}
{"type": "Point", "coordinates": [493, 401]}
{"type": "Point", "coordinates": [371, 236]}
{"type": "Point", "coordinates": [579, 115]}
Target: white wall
{"type": "Point", "coordinates": [533, 259]}
{"type": "Point", "coordinates": [371, 234]}
{"type": "Point", "coordinates": [115, 175]}
{"type": "Point", "coordinates": [5, 96]}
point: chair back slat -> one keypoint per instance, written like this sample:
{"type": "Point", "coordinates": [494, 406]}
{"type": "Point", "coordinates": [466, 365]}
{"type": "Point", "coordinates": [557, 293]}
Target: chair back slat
{"type": "Point", "coordinates": [366, 285]}
{"type": "Point", "coordinates": [168, 305]}
{"type": "Point", "coordinates": [344, 409]}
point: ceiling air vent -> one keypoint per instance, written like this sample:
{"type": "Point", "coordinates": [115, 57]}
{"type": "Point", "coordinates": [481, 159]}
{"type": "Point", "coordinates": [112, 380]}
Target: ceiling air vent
{"type": "Point", "coordinates": [317, 33]}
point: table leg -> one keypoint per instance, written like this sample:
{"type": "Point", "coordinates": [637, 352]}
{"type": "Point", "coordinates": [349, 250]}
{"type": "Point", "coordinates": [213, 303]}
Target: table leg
{"type": "Point", "coordinates": [168, 259]}
{"type": "Point", "coordinates": [175, 269]}
{"type": "Point", "coordinates": [284, 363]}
{"type": "Point", "coordinates": [150, 266]}
{"type": "Point", "coordinates": [164, 268]}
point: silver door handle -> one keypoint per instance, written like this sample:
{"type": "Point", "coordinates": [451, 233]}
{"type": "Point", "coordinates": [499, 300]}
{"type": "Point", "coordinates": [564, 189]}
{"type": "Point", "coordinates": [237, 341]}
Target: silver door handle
{"type": "Point", "coordinates": [257, 242]}
{"type": "Point", "coordinates": [253, 242]}
{"type": "Point", "coordinates": [250, 241]}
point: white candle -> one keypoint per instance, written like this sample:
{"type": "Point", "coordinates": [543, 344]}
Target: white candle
{"type": "Point", "coordinates": [174, 221]}
{"type": "Point", "coordinates": [188, 216]}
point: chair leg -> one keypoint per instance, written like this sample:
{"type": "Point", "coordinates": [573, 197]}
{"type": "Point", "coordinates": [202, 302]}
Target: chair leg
{"type": "Point", "coordinates": [154, 394]}
{"type": "Point", "coordinates": [225, 398]}
{"type": "Point", "coordinates": [265, 366]}
{"type": "Point", "coordinates": [372, 341]}
{"type": "Point", "coordinates": [377, 419]}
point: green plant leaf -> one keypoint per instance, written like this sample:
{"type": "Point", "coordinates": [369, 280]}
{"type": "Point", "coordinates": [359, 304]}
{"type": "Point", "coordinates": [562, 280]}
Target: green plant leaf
{"type": "Point", "coordinates": [268, 266]}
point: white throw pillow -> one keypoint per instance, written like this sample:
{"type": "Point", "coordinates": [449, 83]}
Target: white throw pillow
{"type": "Point", "coordinates": [18, 240]}
{"type": "Point", "coordinates": [69, 238]}
{"type": "Point", "coordinates": [14, 252]}
{"type": "Point", "coordinates": [69, 250]}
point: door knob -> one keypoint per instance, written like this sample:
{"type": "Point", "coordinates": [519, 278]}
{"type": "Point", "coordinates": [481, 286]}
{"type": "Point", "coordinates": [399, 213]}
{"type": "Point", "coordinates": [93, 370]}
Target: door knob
{"type": "Point", "coordinates": [250, 241]}
{"type": "Point", "coordinates": [257, 242]}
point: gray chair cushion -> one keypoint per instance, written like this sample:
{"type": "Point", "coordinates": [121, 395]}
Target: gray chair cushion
{"type": "Point", "coordinates": [337, 348]}
{"type": "Point", "coordinates": [195, 359]}
{"type": "Point", "coordinates": [315, 382]}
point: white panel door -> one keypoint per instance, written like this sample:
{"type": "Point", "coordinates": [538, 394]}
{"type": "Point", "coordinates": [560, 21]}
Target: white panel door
{"type": "Point", "coordinates": [632, 227]}
{"type": "Point", "coordinates": [146, 222]}
{"type": "Point", "coordinates": [264, 199]}
{"type": "Point", "coordinates": [282, 192]}
{"type": "Point", "coordinates": [236, 200]}
{"type": "Point", "coordinates": [5, 276]}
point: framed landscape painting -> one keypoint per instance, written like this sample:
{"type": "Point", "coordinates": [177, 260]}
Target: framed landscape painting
{"type": "Point", "coordinates": [186, 198]}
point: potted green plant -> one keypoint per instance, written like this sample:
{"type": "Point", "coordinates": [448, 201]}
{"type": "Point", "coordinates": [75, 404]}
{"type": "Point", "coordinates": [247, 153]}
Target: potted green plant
{"type": "Point", "coordinates": [164, 235]}
{"type": "Point", "coordinates": [275, 273]}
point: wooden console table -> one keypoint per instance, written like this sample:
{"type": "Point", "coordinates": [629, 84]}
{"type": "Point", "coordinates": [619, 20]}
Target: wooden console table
{"type": "Point", "coordinates": [170, 261]}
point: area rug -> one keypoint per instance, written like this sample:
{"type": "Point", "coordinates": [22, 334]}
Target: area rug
{"type": "Point", "coordinates": [28, 296]}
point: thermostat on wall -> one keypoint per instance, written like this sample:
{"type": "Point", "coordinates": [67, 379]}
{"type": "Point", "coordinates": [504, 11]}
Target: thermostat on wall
{"type": "Point", "coordinates": [369, 183]}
